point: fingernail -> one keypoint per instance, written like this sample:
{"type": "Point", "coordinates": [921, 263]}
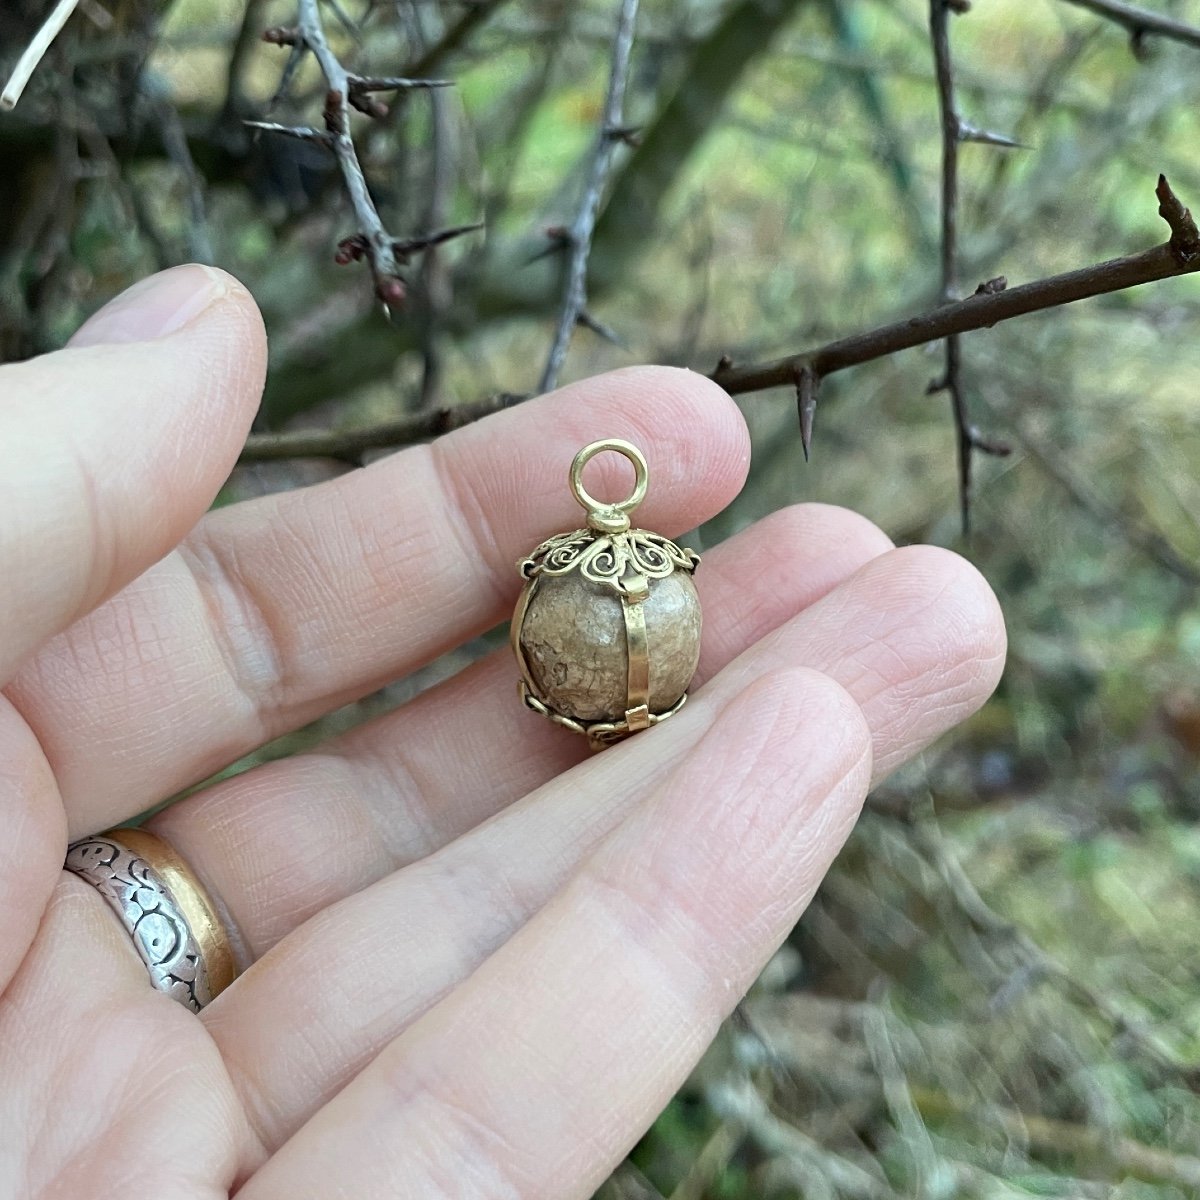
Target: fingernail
{"type": "Point", "coordinates": [154, 307]}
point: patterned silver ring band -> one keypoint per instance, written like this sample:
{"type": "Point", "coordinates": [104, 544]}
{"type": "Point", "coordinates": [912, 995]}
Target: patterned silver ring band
{"type": "Point", "coordinates": [162, 904]}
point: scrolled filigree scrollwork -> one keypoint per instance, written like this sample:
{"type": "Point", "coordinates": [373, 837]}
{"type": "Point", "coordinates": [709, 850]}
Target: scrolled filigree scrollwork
{"type": "Point", "coordinates": [609, 558]}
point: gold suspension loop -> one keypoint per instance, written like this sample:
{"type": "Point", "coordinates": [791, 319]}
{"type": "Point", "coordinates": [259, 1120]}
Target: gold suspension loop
{"type": "Point", "coordinates": [596, 508]}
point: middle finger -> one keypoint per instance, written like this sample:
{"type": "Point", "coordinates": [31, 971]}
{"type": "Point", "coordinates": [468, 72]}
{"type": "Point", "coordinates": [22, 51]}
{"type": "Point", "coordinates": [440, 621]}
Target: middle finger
{"type": "Point", "coordinates": [286, 840]}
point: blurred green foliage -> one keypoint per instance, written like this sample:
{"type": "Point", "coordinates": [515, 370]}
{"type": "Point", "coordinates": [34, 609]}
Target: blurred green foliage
{"type": "Point", "coordinates": [997, 992]}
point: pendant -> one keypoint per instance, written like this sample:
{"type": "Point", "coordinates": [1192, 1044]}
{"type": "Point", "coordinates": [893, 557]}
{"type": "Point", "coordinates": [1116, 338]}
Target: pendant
{"type": "Point", "coordinates": [607, 627]}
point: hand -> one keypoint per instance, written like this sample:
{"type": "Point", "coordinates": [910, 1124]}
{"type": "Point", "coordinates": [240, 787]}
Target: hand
{"type": "Point", "coordinates": [479, 960]}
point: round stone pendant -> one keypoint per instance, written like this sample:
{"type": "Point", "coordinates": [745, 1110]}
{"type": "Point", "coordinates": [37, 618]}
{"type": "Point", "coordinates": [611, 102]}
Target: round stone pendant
{"type": "Point", "coordinates": [607, 627]}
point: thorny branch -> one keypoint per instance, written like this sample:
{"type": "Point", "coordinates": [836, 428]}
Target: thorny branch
{"type": "Point", "coordinates": [345, 91]}
{"type": "Point", "coordinates": [954, 131]}
{"type": "Point", "coordinates": [579, 236]}
{"type": "Point", "coordinates": [1141, 21]}
{"type": "Point", "coordinates": [991, 303]}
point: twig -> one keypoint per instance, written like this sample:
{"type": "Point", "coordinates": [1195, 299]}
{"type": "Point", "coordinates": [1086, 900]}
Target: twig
{"type": "Point", "coordinates": [475, 14]}
{"type": "Point", "coordinates": [986, 920]}
{"type": "Point", "coordinates": [351, 444]}
{"type": "Point", "coordinates": [240, 53]}
{"type": "Point", "coordinates": [174, 139]}
{"type": "Point", "coordinates": [580, 235]}
{"type": "Point", "coordinates": [1148, 541]}
{"type": "Point", "coordinates": [345, 91]}
{"type": "Point", "coordinates": [954, 131]}
{"type": "Point", "coordinates": [1141, 21]}
{"type": "Point", "coordinates": [1101, 1149]}
{"type": "Point", "coordinates": [35, 52]}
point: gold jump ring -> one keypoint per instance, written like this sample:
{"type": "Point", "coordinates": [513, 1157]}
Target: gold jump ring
{"type": "Point", "coordinates": [640, 470]}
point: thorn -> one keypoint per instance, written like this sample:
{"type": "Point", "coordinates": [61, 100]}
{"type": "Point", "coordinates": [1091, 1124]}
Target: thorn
{"type": "Point", "coordinates": [1139, 47]}
{"type": "Point", "coordinates": [606, 332]}
{"type": "Point", "coordinates": [631, 135]}
{"type": "Point", "coordinates": [972, 133]}
{"type": "Point", "coordinates": [1185, 237]}
{"type": "Point", "coordinates": [558, 239]}
{"type": "Point", "coordinates": [990, 287]}
{"type": "Point", "coordinates": [807, 385]}
{"type": "Point", "coordinates": [405, 247]}
{"type": "Point", "coordinates": [304, 133]}
{"type": "Point", "coordinates": [986, 444]}
{"type": "Point", "coordinates": [724, 363]}
{"type": "Point", "coordinates": [958, 6]}
{"type": "Point", "coordinates": [938, 384]}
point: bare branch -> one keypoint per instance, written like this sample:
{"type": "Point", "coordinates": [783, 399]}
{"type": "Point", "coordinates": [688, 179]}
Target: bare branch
{"type": "Point", "coordinates": [985, 137]}
{"type": "Point", "coordinates": [1141, 21]}
{"type": "Point", "coordinates": [952, 135]}
{"type": "Point", "coordinates": [199, 241]}
{"type": "Point", "coordinates": [476, 13]}
{"type": "Point", "coordinates": [347, 91]}
{"type": "Point", "coordinates": [991, 303]}
{"type": "Point", "coordinates": [35, 52]}
{"type": "Point", "coordinates": [406, 246]}
{"type": "Point", "coordinates": [612, 125]}
{"type": "Point", "coordinates": [350, 444]}
{"type": "Point", "coordinates": [986, 308]}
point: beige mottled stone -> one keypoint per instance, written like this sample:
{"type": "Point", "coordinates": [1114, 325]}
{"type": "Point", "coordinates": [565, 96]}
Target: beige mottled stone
{"type": "Point", "coordinates": [573, 639]}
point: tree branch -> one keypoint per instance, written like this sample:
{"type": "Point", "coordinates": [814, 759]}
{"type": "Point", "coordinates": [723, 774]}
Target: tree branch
{"type": "Point", "coordinates": [990, 304]}
{"type": "Point", "coordinates": [347, 91]}
{"type": "Point", "coordinates": [580, 234]}
{"type": "Point", "coordinates": [983, 309]}
{"type": "Point", "coordinates": [955, 131]}
{"type": "Point", "coordinates": [1141, 21]}
{"type": "Point", "coordinates": [351, 444]}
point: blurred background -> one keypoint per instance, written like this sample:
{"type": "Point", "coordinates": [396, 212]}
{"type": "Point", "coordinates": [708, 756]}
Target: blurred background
{"type": "Point", "coordinates": [997, 991]}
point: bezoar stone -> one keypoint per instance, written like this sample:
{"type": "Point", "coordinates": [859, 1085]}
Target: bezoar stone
{"type": "Point", "coordinates": [574, 641]}
{"type": "Point", "coordinates": [606, 631]}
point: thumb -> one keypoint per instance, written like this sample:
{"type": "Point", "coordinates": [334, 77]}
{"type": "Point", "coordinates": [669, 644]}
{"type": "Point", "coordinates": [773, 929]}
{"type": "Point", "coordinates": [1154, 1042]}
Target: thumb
{"type": "Point", "coordinates": [111, 449]}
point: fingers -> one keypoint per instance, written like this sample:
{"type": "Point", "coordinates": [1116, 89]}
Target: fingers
{"type": "Point", "coordinates": [404, 785]}
{"type": "Point", "coordinates": [285, 607]}
{"type": "Point", "coordinates": [110, 1089]}
{"type": "Point", "coordinates": [112, 449]}
{"type": "Point", "coordinates": [915, 638]}
{"type": "Point", "coordinates": [31, 816]}
{"type": "Point", "coordinates": [507, 1088]}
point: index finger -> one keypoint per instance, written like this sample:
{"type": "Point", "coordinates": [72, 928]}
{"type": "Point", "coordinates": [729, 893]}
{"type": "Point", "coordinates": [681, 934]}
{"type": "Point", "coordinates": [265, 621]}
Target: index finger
{"type": "Point", "coordinates": [283, 608]}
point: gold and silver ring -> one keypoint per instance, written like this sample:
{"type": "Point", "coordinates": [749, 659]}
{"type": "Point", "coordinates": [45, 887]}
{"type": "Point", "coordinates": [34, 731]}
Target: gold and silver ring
{"type": "Point", "coordinates": [164, 907]}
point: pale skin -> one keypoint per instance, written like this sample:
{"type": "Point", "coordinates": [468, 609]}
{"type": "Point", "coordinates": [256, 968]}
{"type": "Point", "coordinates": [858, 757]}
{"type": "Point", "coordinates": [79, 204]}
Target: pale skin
{"type": "Point", "coordinates": [479, 960]}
